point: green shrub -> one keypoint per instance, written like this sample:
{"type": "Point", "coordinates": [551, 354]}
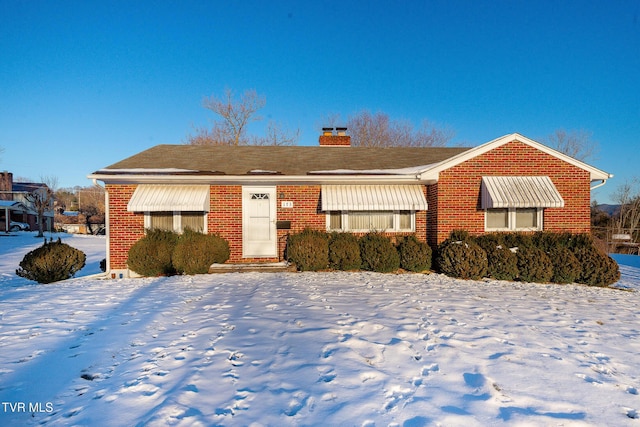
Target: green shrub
{"type": "Point", "coordinates": [309, 250]}
{"type": "Point", "coordinates": [51, 262]}
{"type": "Point", "coordinates": [195, 252]}
{"type": "Point", "coordinates": [566, 267]}
{"type": "Point", "coordinates": [534, 265]}
{"type": "Point", "coordinates": [462, 259]}
{"type": "Point", "coordinates": [596, 267]}
{"type": "Point", "coordinates": [414, 254]}
{"type": "Point", "coordinates": [378, 253]}
{"type": "Point", "coordinates": [518, 240]}
{"type": "Point", "coordinates": [151, 255]}
{"type": "Point", "coordinates": [344, 251]}
{"type": "Point", "coordinates": [502, 263]}
{"type": "Point", "coordinates": [459, 235]}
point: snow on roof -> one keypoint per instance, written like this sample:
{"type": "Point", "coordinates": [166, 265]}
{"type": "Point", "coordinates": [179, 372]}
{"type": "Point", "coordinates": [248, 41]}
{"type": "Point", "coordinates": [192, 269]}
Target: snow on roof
{"type": "Point", "coordinates": [399, 171]}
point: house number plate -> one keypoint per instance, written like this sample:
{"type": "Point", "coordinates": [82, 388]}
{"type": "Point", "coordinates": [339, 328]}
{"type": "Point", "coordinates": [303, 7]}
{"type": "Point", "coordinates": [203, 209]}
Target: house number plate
{"type": "Point", "coordinates": [286, 204]}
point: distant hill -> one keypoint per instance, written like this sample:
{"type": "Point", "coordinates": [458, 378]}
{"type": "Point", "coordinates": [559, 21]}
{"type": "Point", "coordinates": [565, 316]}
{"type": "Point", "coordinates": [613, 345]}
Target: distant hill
{"type": "Point", "coordinates": [609, 209]}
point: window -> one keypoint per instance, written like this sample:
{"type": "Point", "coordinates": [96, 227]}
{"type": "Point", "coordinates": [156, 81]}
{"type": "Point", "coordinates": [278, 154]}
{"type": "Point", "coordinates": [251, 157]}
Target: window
{"type": "Point", "coordinates": [371, 221]}
{"type": "Point", "coordinates": [513, 219]}
{"type": "Point", "coordinates": [175, 221]}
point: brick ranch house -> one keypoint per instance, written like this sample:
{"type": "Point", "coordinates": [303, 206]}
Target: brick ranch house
{"type": "Point", "coordinates": [255, 196]}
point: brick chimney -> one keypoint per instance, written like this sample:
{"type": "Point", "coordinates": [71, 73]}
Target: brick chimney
{"type": "Point", "coordinates": [339, 138]}
{"type": "Point", "coordinates": [6, 185]}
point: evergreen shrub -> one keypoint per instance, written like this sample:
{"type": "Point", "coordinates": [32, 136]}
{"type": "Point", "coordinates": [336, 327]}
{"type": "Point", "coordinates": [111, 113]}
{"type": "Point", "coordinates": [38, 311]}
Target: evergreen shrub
{"type": "Point", "coordinates": [152, 254]}
{"type": "Point", "coordinates": [596, 267]}
{"type": "Point", "coordinates": [378, 253]}
{"type": "Point", "coordinates": [463, 259]}
{"type": "Point", "coordinates": [502, 263]}
{"type": "Point", "coordinates": [51, 262]}
{"type": "Point", "coordinates": [344, 251]}
{"type": "Point", "coordinates": [534, 265]}
{"type": "Point", "coordinates": [195, 252]}
{"type": "Point", "coordinates": [566, 267]}
{"type": "Point", "coordinates": [309, 250]}
{"type": "Point", "coordinates": [414, 254]}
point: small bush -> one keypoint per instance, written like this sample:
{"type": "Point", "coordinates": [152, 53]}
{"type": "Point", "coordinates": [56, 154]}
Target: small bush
{"type": "Point", "coordinates": [566, 267]}
{"type": "Point", "coordinates": [462, 259]}
{"type": "Point", "coordinates": [152, 255]}
{"type": "Point", "coordinates": [195, 252]}
{"type": "Point", "coordinates": [51, 262]}
{"type": "Point", "coordinates": [344, 251]}
{"type": "Point", "coordinates": [378, 253]}
{"type": "Point", "coordinates": [502, 263]}
{"type": "Point", "coordinates": [309, 250]}
{"type": "Point", "coordinates": [596, 268]}
{"type": "Point", "coordinates": [518, 240]}
{"type": "Point", "coordinates": [534, 265]}
{"type": "Point", "coordinates": [414, 254]}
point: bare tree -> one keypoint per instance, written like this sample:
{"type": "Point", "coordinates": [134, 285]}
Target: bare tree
{"type": "Point", "coordinates": [627, 195]}
{"type": "Point", "coordinates": [91, 205]}
{"type": "Point", "coordinates": [575, 143]}
{"type": "Point", "coordinates": [276, 135]}
{"type": "Point", "coordinates": [218, 135]}
{"type": "Point", "coordinates": [379, 130]}
{"type": "Point", "coordinates": [42, 199]}
{"type": "Point", "coordinates": [236, 114]}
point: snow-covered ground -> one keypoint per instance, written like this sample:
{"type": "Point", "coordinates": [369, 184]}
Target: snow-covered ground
{"type": "Point", "coordinates": [277, 349]}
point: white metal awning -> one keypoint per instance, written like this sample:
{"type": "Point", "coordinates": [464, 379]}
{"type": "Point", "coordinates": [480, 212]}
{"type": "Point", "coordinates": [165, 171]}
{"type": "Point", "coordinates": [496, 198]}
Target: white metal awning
{"type": "Point", "coordinates": [520, 192]}
{"type": "Point", "coordinates": [168, 198]}
{"type": "Point", "coordinates": [373, 198]}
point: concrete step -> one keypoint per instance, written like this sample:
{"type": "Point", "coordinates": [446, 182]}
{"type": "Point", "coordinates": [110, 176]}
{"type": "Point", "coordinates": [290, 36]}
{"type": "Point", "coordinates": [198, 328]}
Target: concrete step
{"type": "Point", "coordinates": [254, 266]}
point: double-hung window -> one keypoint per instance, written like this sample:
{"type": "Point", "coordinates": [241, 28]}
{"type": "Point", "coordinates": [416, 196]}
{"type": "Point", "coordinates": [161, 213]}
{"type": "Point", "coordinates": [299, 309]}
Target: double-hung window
{"type": "Point", "coordinates": [172, 207]}
{"type": "Point", "coordinates": [517, 203]}
{"type": "Point", "coordinates": [175, 221]}
{"type": "Point", "coordinates": [513, 219]}
{"type": "Point", "coordinates": [371, 221]}
{"type": "Point", "coordinates": [364, 208]}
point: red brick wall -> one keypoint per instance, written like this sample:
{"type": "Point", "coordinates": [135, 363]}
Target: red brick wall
{"type": "Point", "coordinates": [454, 202]}
{"type": "Point", "coordinates": [125, 228]}
{"type": "Point", "coordinates": [225, 218]}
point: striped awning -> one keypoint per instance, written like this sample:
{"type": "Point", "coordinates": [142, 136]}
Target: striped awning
{"type": "Point", "coordinates": [373, 198]}
{"type": "Point", "coordinates": [520, 192]}
{"type": "Point", "coordinates": [168, 198]}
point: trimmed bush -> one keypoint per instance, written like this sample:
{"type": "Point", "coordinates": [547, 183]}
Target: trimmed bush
{"type": "Point", "coordinates": [51, 262]}
{"type": "Point", "coordinates": [414, 254]}
{"type": "Point", "coordinates": [152, 255]}
{"type": "Point", "coordinates": [534, 265]}
{"type": "Point", "coordinates": [309, 250]}
{"type": "Point", "coordinates": [378, 253]}
{"type": "Point", "coordinates": [596, 268]}
{"type": "Point", "coordinates": [462, 259]}
{"type": "Point", "coordinates": [502, 264]}
{"type": "Point", "coordinates": [344, 251]}
{"type": "Point", "coordinates": [518, 240]}
{"type": "Point", "coordinates": [566, 267]}
{"type": "Point", "coordinates": [195, 252]}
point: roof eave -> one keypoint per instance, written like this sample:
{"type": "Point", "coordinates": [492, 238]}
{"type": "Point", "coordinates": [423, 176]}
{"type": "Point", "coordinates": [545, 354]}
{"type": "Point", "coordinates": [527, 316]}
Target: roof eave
{"type": "Point", "coordinates": [253, 179]}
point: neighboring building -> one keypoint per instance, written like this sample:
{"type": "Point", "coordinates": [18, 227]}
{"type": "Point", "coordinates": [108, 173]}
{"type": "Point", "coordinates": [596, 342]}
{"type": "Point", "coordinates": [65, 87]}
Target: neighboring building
{"type": "Point", "coordinates": [15, 207]}
{"type": "Point", "coordinates": [255, 196]}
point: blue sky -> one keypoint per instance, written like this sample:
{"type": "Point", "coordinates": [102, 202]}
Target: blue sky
{"type": "Point", "coordinates": [84, 84]}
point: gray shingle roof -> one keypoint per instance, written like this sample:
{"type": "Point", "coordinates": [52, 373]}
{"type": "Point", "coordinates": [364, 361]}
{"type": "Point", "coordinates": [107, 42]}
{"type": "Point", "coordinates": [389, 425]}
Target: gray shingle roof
{"type": "Point", "coordinates": [285, 160]}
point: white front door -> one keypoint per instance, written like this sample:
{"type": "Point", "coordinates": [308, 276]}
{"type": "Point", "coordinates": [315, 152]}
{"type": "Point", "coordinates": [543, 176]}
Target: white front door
{"type": "Point", "coordinates": [259, 237]}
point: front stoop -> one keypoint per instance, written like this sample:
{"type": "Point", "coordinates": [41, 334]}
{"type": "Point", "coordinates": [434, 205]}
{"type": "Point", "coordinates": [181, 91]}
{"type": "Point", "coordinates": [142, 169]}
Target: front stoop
{"type": "Point", "coordinates": [255, 266]}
